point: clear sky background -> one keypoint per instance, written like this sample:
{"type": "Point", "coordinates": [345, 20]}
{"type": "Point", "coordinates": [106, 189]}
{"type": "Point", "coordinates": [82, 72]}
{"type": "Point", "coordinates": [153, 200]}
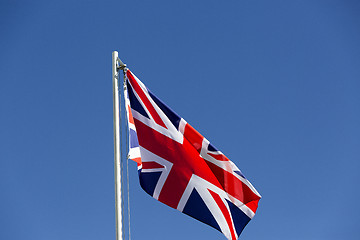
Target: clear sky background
{"type": "Point", "coordinates": [273, 84]}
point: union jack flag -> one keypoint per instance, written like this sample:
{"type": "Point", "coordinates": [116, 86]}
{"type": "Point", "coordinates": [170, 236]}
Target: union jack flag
{"type": "Point", "coordinates": [180, 168]}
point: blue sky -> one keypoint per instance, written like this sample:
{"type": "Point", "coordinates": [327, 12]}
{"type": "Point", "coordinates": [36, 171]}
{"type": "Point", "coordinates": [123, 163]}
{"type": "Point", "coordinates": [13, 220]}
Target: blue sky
{"type": "Point", "coordinates": [273, 84]}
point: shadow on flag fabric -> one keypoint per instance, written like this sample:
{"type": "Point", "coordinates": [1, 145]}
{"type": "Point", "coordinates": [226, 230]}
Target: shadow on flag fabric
{"type": "Point", "coordinates": [180, 168]}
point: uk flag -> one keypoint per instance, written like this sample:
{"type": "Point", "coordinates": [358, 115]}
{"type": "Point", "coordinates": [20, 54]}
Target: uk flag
{"type": "Point", "coordinates": [180, 168]}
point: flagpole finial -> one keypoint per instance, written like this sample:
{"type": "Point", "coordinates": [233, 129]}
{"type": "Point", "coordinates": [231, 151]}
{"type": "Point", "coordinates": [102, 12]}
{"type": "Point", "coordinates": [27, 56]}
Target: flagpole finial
{"type": "Point", "coordinates": [120, 65]}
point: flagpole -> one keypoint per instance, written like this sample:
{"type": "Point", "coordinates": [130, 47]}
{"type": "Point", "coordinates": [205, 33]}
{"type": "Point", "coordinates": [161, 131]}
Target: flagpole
{"type": "Point", "coordinates": [116, 66]}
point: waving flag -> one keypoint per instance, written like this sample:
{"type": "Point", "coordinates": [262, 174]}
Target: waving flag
{"type": "Point", "coordinates": [180, 168]}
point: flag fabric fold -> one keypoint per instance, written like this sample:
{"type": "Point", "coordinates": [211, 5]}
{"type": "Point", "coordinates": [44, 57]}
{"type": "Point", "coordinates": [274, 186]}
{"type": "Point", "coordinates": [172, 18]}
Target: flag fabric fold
{"type": "Point", "coordinates": [180, 168]}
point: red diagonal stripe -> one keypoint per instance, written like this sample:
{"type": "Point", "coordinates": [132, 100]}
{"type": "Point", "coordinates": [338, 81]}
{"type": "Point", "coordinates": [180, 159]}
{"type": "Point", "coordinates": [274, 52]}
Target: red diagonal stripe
{"type": "Point", "coordinates": [220, 157]}
{"type": "Point", "coordinates": [144, 99]}
{"type": "Point", "coordinates": [151, 165]}
{"type": "Point", "coordinates": [225, 212]}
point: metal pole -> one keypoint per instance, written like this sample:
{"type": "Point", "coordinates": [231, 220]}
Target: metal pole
{"type": "Point", "coordinates": [117, 151]}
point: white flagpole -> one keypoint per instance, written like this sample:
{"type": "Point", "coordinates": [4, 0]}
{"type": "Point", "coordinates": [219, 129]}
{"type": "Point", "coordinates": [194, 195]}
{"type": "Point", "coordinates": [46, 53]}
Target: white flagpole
{"type": "Point", "coordinates": [116, 65]}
